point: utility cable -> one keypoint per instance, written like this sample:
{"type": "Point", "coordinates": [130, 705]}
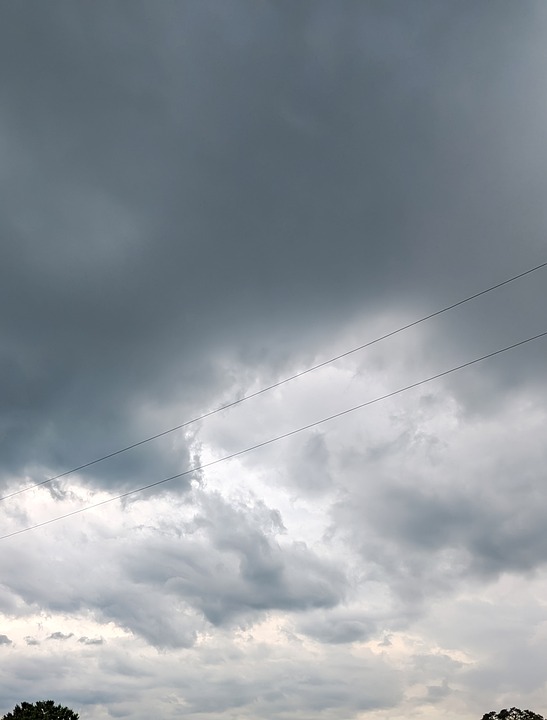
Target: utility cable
{"type": "Point", "coordinates": [283, 436]}
{"type": "Point", "coordinates": [274, 385]}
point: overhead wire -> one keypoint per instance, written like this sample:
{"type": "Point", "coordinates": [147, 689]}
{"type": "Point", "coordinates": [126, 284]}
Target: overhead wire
{"type": "Point", "coordinates": [275, 439]}
{"type": "Point", "coordinates": [274, 385]}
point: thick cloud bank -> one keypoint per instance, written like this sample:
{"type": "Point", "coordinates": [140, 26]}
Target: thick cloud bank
{"type": "Point", "coordinates": [201, 199]}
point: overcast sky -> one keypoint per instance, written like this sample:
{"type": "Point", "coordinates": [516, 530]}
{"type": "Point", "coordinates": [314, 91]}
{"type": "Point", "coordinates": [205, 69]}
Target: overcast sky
{"type": "Point", "coordinates": [200, 199]}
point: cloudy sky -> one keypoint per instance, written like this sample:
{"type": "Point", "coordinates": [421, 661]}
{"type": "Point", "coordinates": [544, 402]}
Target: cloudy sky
{"type": "Point", "coordinates": [201, 199]}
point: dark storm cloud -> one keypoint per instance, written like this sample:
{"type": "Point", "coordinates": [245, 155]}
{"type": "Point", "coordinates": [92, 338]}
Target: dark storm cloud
{"type": "Point", "coordinates": [199, 197]}
{"type": "Point", "coordinates": [183, 183]}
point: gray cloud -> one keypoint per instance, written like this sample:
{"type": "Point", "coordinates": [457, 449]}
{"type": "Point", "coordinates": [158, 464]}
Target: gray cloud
{"type": "Point", "coordinates": [428, 518]}
{"type": "Point", "coordinates": [286, 680]}
{"type": "Point", "coordinates": [198, 200]}
{"type": "Point", "coordinates": [339, 626]}
{"type": "Point", "coordinates": [224, 567]}
{"type": "Point", "coordinates": [235, 569]}
{"type": "Point", "coordinates": [150, 212]}
{"type": "Point", "coordinates": [90, 641]}
{"type": "Point", "coordinates": [60, 636]}
{"type": "Point", "coordinates": [310, 466]}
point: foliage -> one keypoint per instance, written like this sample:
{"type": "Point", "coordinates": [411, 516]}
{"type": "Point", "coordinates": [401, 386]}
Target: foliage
{"type": "Point", "coordinates": [41, 710]}
{"type": "Point", "coordinates": [512, 714]}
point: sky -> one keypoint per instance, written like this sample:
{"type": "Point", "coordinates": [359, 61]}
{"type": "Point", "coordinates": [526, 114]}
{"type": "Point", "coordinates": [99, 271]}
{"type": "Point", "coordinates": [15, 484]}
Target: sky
{"type": "Point", "coordinates": [201, 199]}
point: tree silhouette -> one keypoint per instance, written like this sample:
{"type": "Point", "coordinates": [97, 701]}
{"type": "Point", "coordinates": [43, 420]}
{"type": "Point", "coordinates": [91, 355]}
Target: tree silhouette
{"type": "Point", "coordinates": [512, 714]}
{"type": "Point", "coordinates": [41, 710]}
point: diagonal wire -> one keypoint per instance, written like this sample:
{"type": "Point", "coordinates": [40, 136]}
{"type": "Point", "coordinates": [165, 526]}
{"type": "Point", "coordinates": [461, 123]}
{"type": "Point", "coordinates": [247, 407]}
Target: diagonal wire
{"type": "Point", "coordinates": [276, 384]}
{"type": "Point", "coordinates": [275, 439]}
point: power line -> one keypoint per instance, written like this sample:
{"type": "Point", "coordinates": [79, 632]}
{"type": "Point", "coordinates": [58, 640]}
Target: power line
{"type": "Point", "coordinates": [277, 438]}
{"type": "Point", "coordinates": [277, 384]}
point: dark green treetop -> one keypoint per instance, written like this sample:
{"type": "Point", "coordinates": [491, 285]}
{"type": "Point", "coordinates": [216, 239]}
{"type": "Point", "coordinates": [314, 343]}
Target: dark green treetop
{"type": "Point", "coordinates": [512, 714]}
{"type": "Point", "coordinates": [41, 710]}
